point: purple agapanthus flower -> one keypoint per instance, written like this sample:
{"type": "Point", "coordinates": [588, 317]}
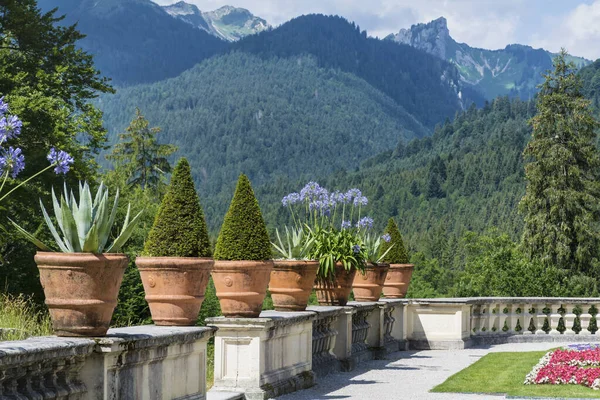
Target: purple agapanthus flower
{"type": "Point", "coordinates": [361, 201]}
{"type": "Point", "coordinates": [12, 160]}
{"type": "Point", "coordinates": [356, 249]}
{"type": "Point", "coordinates": [386, 238]}
{"type": "Point", "coordinates": [346, 224]}
{"type": "Point", "coordinates": [62, 160]}
{"type": "Point", "coordinates": [3, 106]}
{"type": "Point", "coordinates": [290, 199]}
{"type": "Point", "coordinates": [353, 193]}
{"type": "Point", "coordinates": [365, 222]}
{"type": "Point", "coordinates": [10, 127]}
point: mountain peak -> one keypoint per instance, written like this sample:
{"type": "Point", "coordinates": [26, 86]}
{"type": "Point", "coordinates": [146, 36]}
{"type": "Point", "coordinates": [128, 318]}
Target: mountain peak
{"type": "Point", "coordinates": [227, 22]}
{"type": "Point", "coordinates": [433, 37]}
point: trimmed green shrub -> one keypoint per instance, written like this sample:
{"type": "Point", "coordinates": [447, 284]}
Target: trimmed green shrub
{"type": "Point", "coordinates": [179, 229]}
{"type": "Point", "coordinates": [398, 254]}
{"type": "Point", "coordinates": [243, 235]}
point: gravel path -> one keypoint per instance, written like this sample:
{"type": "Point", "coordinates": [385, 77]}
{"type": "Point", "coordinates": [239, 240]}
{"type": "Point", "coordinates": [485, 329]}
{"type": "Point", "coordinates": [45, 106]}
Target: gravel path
{"type": "Point", "coordinates": [406, 375]}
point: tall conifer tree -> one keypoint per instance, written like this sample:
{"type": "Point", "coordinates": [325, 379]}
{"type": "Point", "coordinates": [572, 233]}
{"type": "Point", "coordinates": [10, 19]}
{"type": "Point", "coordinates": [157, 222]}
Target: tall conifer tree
{"type": "Point", "coordinates": [561, 205]}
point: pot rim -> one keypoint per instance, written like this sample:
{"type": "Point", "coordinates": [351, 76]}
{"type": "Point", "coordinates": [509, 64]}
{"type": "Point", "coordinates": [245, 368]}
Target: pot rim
{"type": "Point", "coordinates": [402, 265]}
{"type": "Point", "coordinates": [175, 258]}
{"type": "Point", "coordinates": [79, 254]}
{"type": "Point", "coordinates": [288, 261]}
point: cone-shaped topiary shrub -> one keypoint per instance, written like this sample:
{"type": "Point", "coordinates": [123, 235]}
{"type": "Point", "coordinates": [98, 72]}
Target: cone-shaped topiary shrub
{"type": "Point", "coordinates": [179, 229]}
{"type": "Point", "coordinates": [243, 235]}
{"type": "Point", "coordinates": [398, 254]}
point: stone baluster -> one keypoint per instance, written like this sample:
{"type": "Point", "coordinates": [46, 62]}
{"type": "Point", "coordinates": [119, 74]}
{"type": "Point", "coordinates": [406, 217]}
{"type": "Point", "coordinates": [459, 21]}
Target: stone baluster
{"type": "Point", "coordinates": [323, 340]}
{"type": "Point", "coordinates": [388, 324]}
{"type": "Point", "coordinates": [32, 378]}
{"type": "Point", "coordinates": [584, 319]}
{"type": "Point", "coordinates": [11, 383]}
{"type": "Point", "coordinates": [493, 319]}
{"type": "Point", "coordinates": [360, 330]}
{"type": "Point", "coordinates": [476, 319]}
{"type": "Point", "coordinates": [554, 319]}
{"type": "Point", "coordinates": [569, 319]}
{"type": "Point", "coordinates": [484, 321]}
{"type": "Point", "coordinates": [529, 316]}
{"type": "Point", "coordinates": [518, 319]}
{"type": "Point", "coordinates": [541, 319]}
{"type": "Point", "coordinates": [504, 318]}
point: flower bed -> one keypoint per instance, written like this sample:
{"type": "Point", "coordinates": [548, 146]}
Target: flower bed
{"type": "Point", "coordinates": [575, 364]}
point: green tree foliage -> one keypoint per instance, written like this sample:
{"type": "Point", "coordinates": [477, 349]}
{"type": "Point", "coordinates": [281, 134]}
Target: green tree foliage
{"type": "Point", "coordinates": [135, 41]}
{"type": "Point", "coordinates": [49, 83]}
{"type": "Point", "coordinates": [140, 155]}
{"type": "Point", "coordinates": [241, 113]}
{"type": "Point", "coordinates": [397, 254]}
{"type": "Point", "coordinates": [179, 229]}
{"type": "Point", "coordinates": [243, 235]}
{"type": "Point", "coordinates": [409, 76]}
{"type": "Point", "coordinates": [561, 206]}
{"type": "Point", "coordinates": [496, 266]}
{"type": "Point", "coordinates": [590, 77]}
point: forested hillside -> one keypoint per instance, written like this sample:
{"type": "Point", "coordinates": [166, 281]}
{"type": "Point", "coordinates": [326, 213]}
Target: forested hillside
{"type": "Point", "coordinates": [426, 86]}
{"type": "Point", "coordinates": [135, 41]}
{"type": "Point", "coordinates": [239, 112]}
{"type": "Point", "coordinates": [590, 76]}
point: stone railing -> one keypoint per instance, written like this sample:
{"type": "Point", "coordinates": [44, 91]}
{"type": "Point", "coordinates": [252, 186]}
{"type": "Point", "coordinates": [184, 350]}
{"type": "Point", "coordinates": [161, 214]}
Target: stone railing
{"type": "Point", "coordinates": [504, 317]}
{"type": "Point", "coordinates": [279, 352]}
{"type": "Point", "coordinates": [143, 362]}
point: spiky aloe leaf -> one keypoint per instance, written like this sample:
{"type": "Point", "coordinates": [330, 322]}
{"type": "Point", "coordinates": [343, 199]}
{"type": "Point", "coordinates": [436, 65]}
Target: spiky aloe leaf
{"type": "Point", "coordinates": [57, 211]}
{"type": "Point", "coordinates": [64, 246]}
{"type": "Point", "coordinates": [111, 221]}
{"type": "Point", "coordinates": [39, 244]}
{"type": "Point", "coordinates": [70, 226]}
{"type": "Point", "coordinates": [91, 241]}
{"type": "Point", "coordinates": [125, 233]}
{"type": "Point", "coordinates": [83, 215]}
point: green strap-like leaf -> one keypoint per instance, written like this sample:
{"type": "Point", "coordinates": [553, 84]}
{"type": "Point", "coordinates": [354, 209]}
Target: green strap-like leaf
{"type": "Point", "coordinates": [125, 234]}
{"type": "Point", "coordinates": [64, 246]}
{"type": "Point", "coordinates": [71, 236]}
{"type": "Point", "coordinates": [57, 211]}
{"type": "Point", "coordinates": [39, 244]}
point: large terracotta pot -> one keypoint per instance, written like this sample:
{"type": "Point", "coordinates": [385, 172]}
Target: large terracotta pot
{"type": "Point", "coordinates": [368, 285]}
{"type": "Point", "coordinates": [174, 287]}
{"type": "Point", "coordinates": [291, 283]}
{"type": "Point", "coordinates": [81, 290]}
{"type": "Point", "coordinates": [241, 286]}
{"type": "Point", "coordinates": [335, 292]}
{"type": "Point", "coordinates": [397, 280]}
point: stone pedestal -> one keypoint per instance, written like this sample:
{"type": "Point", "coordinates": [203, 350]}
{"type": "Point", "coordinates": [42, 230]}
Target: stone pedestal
{"type": "Point", "coordinates": [264, 357]}
{"type": "Point", "coordinates": [438, 324]}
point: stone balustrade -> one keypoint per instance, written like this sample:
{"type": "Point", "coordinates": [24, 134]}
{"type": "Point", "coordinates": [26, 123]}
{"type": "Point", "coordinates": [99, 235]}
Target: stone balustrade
{"type": "Point", "coordinates": [143, 362]}
{"type": "Point", "coordinates": [279, 352]}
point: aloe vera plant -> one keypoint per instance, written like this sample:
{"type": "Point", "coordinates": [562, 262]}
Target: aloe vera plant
{"type": "Point", "coordinates": [85, 226]}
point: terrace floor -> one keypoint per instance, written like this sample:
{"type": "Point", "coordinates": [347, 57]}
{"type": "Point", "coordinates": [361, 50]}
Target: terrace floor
{"type": "Point", "coordinates": [406, 375]}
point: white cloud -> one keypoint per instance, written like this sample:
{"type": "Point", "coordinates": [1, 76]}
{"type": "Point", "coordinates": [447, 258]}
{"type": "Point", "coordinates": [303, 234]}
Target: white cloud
{"type": "Point", "coordinates": [578, 32]}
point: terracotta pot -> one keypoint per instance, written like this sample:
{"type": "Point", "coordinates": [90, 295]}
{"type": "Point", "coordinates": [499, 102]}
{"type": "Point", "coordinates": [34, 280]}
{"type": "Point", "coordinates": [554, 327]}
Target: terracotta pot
{"type": "Point", "coordinates": [241, 286]}
{"type": "Point", "coordinates": [335, 292]}
{"type": "Point", "coordinates": [291, 283]}
{"type": "Point", "coordinates": [174, 287]}
{"type": "Point", "coordinates": [368, 285]}
{"type": "Point", "coordinates": [397, 280]}
{"type": "Point", "coordinates": [81, 290]}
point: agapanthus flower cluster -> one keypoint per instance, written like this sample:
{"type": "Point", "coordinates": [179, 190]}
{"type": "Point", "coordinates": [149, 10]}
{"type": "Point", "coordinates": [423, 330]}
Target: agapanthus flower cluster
{"type": "Point", "coordinates": [568, 366]}
{"type": "Point", "coordinates": [320, 206]}
{"type": "Point", "coordinates": [386, 238]}
{"type": "Point", "coordinates": [12, 160]}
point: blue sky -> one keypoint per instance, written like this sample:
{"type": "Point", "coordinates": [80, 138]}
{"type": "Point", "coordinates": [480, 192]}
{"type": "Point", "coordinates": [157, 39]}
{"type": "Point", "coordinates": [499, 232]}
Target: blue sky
{"type": "Point", "coordinates": [551, 24]}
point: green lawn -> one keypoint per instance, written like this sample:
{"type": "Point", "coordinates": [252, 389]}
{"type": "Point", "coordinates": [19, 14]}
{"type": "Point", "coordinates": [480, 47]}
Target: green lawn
{"type": "Point", "coordinates": [504, 373]}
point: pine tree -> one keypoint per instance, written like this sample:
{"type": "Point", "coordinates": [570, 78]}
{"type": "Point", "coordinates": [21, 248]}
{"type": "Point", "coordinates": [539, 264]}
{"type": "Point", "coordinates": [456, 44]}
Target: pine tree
{"type": "Point", "coordinates": [243, 235]}
{"type": "Point", "coordinates": [179, 229]}
{"type": "Point", "coordinates": [561, 207]}
{"type": "Point", "coordinates": [140, 153]}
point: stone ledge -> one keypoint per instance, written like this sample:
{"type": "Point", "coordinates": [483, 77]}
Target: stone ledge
{"type": "Point", "coordinates": [424, 344]}
{"type": "Point", "coordinates": [267, 319]}
{"type": "Point", "coordinates": [43, 348]}
{"type": "Point", "coordinates": [363, 305]}
{"type": "Point", "coordinates": [326, 311]}
{"type": "Point", "coordinates": [139, 337]}
{"type": "Point", "coordinates": [501, 339]}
